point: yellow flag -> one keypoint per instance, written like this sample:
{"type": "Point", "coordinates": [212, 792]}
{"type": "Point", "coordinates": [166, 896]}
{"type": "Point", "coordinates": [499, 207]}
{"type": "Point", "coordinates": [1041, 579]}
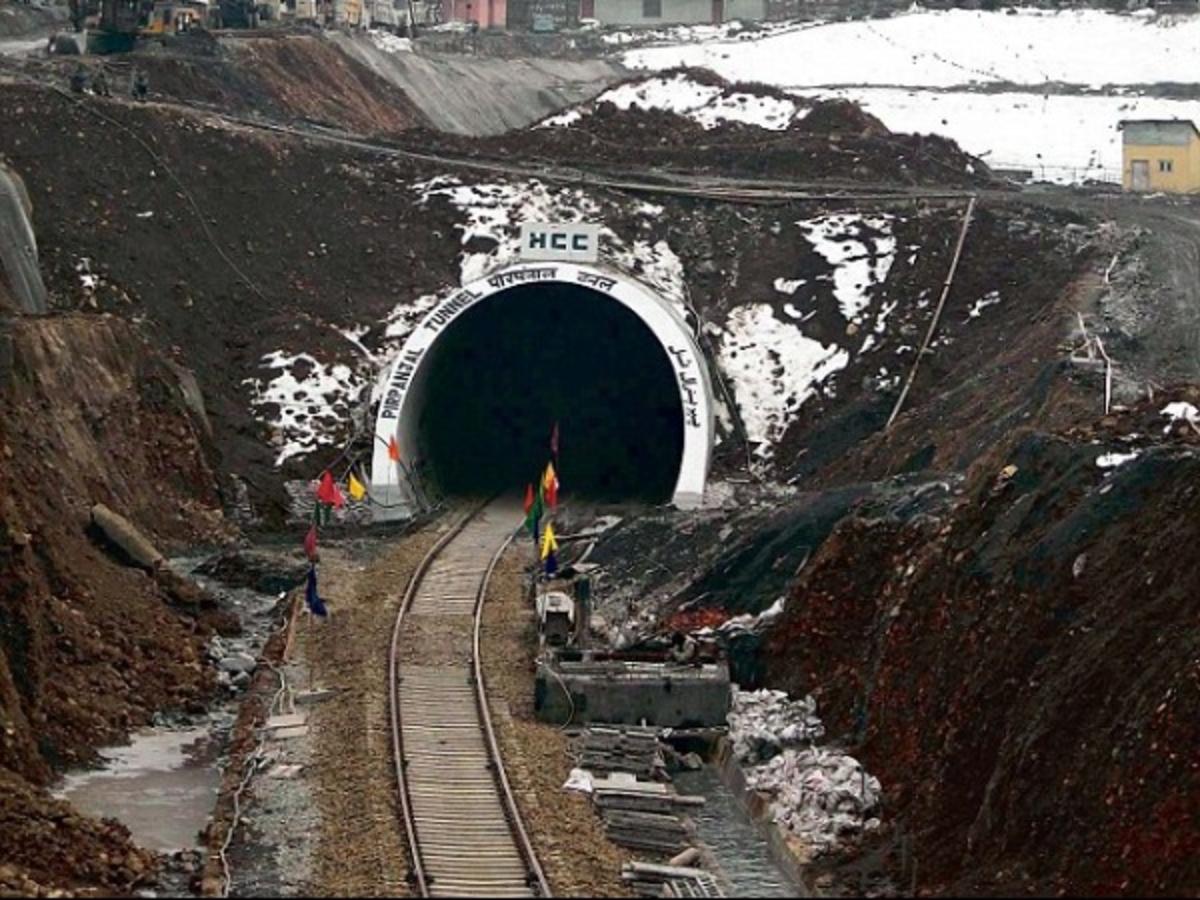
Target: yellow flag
{"type": "Point", "coordinates": [549, 479]}
{"type": "Point", "coordinates": [549, 544]}
{"type": "Point", "coordinates": [357, 491]}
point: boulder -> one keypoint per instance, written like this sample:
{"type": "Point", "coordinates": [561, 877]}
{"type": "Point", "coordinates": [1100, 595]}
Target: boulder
{"type": "Point", "coordinates": [238, 662]}
{"type": "Point", "coordinates": [126, 537]}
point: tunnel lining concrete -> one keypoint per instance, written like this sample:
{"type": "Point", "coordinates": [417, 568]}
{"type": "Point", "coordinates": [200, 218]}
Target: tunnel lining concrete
{"type": "Point", "coordinates": [402, 394]}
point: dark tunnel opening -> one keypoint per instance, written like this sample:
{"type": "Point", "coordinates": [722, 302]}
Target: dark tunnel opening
{"type": "Point", "coordinates": [509, 368]}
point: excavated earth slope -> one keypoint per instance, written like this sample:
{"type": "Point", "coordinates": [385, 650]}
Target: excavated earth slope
{"type": "Point", "coordinates": [89, 648]}
{"type": "Point", "coordinates": [1023, 671]}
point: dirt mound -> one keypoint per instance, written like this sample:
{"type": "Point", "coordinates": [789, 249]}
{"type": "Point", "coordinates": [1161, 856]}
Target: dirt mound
{"type": "Point", "coordinates": [841, 117]}
{"type": "Point", "coordinates": [667, 140]}
{"type": "Point", "coordinates": [48, 847]}
{"type": "Point", "coordinates": [834, 140]}
{"type": "Point", "coordinates": [998, 654]}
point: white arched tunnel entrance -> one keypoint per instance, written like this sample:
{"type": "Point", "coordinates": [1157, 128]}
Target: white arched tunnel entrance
{"type": "Point", "coordinates": [433, 353]}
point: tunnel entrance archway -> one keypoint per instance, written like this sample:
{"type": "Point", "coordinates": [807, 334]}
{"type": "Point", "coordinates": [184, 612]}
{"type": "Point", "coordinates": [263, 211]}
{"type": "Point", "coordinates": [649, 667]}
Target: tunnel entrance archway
{"type": "Point", "coordinates": [476, 387]}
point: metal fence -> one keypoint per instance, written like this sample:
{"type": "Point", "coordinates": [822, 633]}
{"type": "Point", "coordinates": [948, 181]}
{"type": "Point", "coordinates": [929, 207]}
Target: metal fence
{"type": "Point", "coordinates": [1024, 171]}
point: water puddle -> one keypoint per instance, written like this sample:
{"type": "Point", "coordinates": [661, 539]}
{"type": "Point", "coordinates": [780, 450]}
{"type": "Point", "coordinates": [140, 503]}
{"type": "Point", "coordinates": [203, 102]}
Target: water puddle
{"type": "Point", "coordinates": [162, 787]}
{"type": "Point", "coordinates": [738, 843]}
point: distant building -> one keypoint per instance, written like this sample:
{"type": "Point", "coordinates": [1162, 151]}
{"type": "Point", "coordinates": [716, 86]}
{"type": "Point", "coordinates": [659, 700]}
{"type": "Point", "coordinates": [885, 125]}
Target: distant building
{"type": "Point", "coordinates": [1160, 155]}
{"type": "Point", "coordinates": [671, 12]}
{"type": "Point", "coordinates": [543, 15]}
{"type": "Point", "coordinates": [487, 13]}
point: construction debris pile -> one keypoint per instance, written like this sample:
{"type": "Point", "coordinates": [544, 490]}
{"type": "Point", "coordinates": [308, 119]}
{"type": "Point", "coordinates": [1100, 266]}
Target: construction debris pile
{"type": "Point", "coordinates": [819, 794]}
{"type": "Point", "coordinates": [762, 724]}
{"type": "Point", "coordinates": [822, 796]}
{"type": "Point", "coordinates": [625, 771]}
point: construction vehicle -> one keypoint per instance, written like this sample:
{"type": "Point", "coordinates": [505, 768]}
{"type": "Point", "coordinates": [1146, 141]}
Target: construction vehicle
{"type": "Point", "coordinates": [242, 13]}
{"type": "Point", "coordinates": [176, 17]}
{"type": "Point", "coordinates": [120, 22]}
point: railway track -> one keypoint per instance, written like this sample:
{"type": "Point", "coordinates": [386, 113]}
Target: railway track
{"type": "Point", "coordinates": [464, 830]}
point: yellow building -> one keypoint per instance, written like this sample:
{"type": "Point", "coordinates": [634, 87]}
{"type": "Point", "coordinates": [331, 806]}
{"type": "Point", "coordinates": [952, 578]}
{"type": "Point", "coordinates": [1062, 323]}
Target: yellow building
{"type": "Point", "coordinates": [1160, 155]}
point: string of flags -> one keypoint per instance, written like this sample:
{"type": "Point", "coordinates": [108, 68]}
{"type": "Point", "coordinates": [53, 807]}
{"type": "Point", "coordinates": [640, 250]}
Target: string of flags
{"type": "Point", "coordinates": [537, 501]}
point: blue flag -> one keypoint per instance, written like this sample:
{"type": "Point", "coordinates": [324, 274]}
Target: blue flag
{"type": "Point", "coordinates": [311, 598]}
{"type": "Point", "coordinates": [551, 564]}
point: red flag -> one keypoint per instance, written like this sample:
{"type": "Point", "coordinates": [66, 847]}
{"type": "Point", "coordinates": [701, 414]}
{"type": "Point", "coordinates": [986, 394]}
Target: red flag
{"type": "Point", "coordinates": [393, 450]}
{"type": "Point", "coordinates": [328, 492]}
{"type": "Point", "coordinates": [528, 498]}
{"type": "Point", "coordinates": [554, 441]}
{"type": "Point", "coordinates": [310, 543]}
{"type": "Point", "coordinates": [550, 486]}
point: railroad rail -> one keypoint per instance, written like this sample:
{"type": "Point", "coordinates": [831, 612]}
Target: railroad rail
{"type": "Point", "coordinates": [464, 830]}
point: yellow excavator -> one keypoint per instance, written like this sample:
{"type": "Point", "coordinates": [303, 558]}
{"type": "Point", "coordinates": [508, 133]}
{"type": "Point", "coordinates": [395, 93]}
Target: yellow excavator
{"type": "Point", "coordinates": [113, 26]}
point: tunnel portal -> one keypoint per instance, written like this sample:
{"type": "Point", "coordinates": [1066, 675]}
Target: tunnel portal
{"type": "Point", "coordinates": [470, 402]}
{"type": "Point", "coordinates": [506, 371]}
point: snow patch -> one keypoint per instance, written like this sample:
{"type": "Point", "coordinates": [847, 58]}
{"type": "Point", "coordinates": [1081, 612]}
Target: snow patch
{"type": "Point", "coordinates": [774, 369]}
{"type": "Point", "coordinates": [390, 43]}
{"type": "Point", "coordinates": [989, 299]}
{"type": "Point", "coordinates": [1113, 460]}
{"type": "Point", "coordinates": [861, 248]}
{"type": "Point", "coordinates": [1181, 412]}
{"type": "Point", "coordinates": [789, 285]}
{"type": "Point", "coordinates": [314, 401]}
{"type": "Point", "coordinates": [707, 104]}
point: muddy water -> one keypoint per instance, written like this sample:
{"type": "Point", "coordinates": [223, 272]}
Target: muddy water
{"type": "Point", "coordinates": [162, 787]}
{"type": "Point", "coordinates": [738, 844]}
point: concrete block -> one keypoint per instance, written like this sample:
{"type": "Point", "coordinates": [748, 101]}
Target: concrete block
{"type": "Point", "coordinates": [630, 693]}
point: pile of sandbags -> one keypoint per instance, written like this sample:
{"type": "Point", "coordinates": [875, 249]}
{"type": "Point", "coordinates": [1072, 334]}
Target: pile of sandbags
{"type": "Point", "coordinates": [822, 796]}
{"type": "Point", "coordinates": [762, 724]}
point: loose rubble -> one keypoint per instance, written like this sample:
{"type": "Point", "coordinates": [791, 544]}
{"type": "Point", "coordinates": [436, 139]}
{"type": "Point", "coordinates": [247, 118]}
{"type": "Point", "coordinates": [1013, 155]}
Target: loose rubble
{"type": "Point", "coordinates": [821, 795]}
{"type": "Point", "coordinates": [762, 724]}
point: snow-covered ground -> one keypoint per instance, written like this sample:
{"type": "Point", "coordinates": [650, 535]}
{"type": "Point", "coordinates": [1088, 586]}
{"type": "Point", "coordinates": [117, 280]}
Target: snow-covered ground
{"type": "Point", "coordinates": [922, 72]}
{"type": "Point", "coordinates": [1062, 138]}
{"type": "Point", "coordinates": [313, 401]}
{"type": "Point", "coordinates": [772, 365]}
{"type": "Point", "coordinates": [927, 48]}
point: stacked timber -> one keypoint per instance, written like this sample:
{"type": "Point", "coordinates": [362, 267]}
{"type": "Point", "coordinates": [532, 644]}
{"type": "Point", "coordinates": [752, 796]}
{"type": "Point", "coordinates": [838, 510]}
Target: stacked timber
{"type": "Point", "coordinates": [612, 749]}
{"type": "Point", "coordinates": [631, 791]}
{"type": "Point", "coordinates": [661, 833]}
